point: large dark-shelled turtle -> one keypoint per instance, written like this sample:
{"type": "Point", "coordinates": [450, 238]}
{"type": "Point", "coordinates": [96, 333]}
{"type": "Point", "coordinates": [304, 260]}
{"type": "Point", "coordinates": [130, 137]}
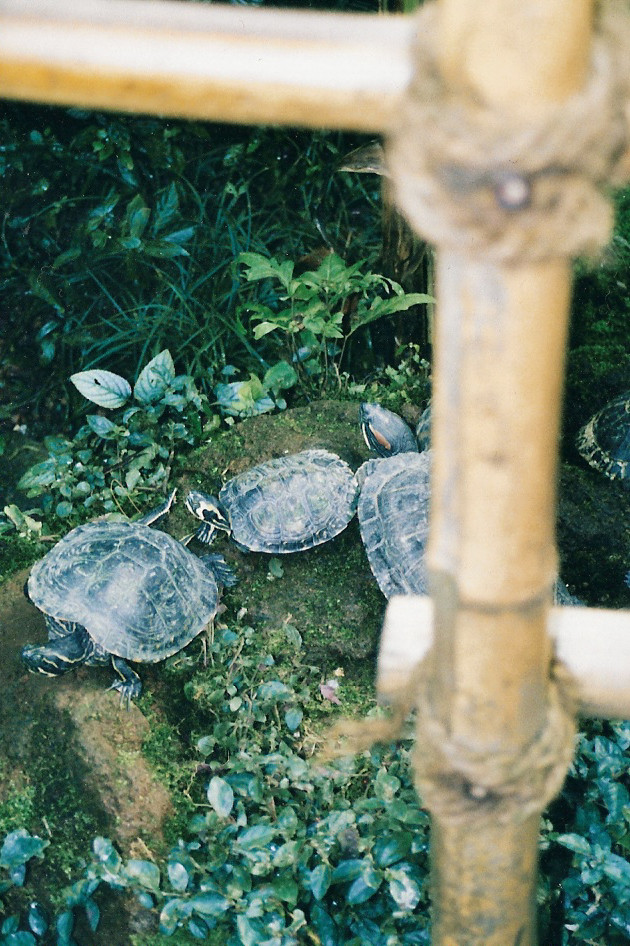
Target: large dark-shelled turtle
{"type": "Point", "coordinates": [604, 441]}
{"type": "Point", "coordinates": [289, 504]}
{"type": "Point", "coordinates": [113, 591]}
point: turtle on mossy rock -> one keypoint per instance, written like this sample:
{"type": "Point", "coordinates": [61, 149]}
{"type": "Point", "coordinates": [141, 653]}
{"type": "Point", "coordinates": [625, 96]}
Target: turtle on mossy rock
{"type": "Point", "coordinates": [289, 504]}
{"type": "Point", "coordinates": [604, 441]}
{"type": "Point", "coordinates": [113, 591]}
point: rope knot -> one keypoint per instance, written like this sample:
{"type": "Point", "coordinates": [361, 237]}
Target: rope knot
{"type": "Point", "coordinates": [469, 176]}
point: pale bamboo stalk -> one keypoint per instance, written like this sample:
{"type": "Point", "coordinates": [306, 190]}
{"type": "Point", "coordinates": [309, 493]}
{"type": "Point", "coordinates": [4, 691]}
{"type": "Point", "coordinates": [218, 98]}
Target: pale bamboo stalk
{"type": "Point", "coordinates": [499, 356]}
{"type": "Point", "coordinates": [592, 644]}
{"type": "Point", "coordinates": [216, 62]}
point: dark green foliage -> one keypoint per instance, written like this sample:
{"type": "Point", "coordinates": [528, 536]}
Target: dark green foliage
{"type": "Point", "coordinates": [598, 367]}
{"type": "Point", "coordinates": [120, 235]}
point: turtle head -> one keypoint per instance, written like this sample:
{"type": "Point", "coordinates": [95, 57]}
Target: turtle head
{"type": "Point", "coordinates": [384, 432]}
{"type": "Point", "coordinates": [212, 513]}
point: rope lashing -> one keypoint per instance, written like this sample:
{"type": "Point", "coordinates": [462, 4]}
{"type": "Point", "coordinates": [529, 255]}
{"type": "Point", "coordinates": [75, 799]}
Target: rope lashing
{"type": "Point", "coordinates": [472, 177]}
{"type": "Point", "coordinates": [452, 780]}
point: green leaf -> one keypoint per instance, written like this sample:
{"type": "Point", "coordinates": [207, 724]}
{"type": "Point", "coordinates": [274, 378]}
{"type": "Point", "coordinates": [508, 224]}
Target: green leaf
{"type": "Point", "coordinates": [389, 306]}
{"type": "Point", "coordinates": [285, 889]}
{"type": "Point", "coordinates": [65, 925]}
{"type": "Point", "coordinates": [19, 847]}
{"type": "Point", "coordinates": [274, 690]}
{"type": "Point", "coordinates": [325, 927]}
{"type": "Point", "coordinates": [144, 873]}
{"type": "Point", "coordinates": [63, 509]}
{"type": "Point", "coordinates": [172, 913]}
{"type": "Point", "coordinates": [250, 932]}
{"type": "Point", "coordinates": [293, 718]}
{"type": "Point", "coordinates": [275, 568]}
{"type": "Point", "coordinates": [264, 328]}
{"type": "Point", "coordinates": [102, 387]}
{"type": "Point", "coordinates": [364, 886]}
{"type": "Point", "coordinates": [220, 796]}
{"type": "Point", "coordinates": [166, 207]}
{"type": "Point", "coordinates": [178, 876]}
{"type": "Point", "coordinates": [209, 904]}
{"type": "Point", "coordinates": [106, 853]}
{"type": "Point", "coordinates": [404, 890]}
{"type": "Point", "coordinates": [280, 377]}
{"type": "Point", "coordinates": [575, 842]}
{"type": "Point", "coordinates": [92, 913]}
{"type": "Point", "coordinates": [40, 474]}
{"type": "Point", "coordinates": [258, 836]}
{"type": "Point", "coordinates": [261, 267]}
{"type": "Point", "coordinates": [136, 217]}
{"type": "Point", "coordinates": [319, 881]}
{"type": "Point", "coordinates": [387, 850]}
{"type": "Point", "coordinates": [206, 744]}
{"type": "Point", "coordinates": [102, 426]}
{"type": "Point", "coordinates": [155, 378]}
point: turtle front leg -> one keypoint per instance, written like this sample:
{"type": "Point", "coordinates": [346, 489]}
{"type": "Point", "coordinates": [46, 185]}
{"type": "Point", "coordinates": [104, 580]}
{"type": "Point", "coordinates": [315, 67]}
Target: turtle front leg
{"type": "Point", "coordinates": [129, 685]}
{"type": "Point", "coordinates": [60, 656]}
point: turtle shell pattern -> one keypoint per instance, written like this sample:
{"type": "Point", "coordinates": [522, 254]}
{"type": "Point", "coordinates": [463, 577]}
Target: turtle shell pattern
{"type": "Point", "coordinates": [605, 440]}
{"type": "Point", "coordinates": [291, 503]}
{"type": "Point", "coordinates": [393, 516]}
{"type": "Point", "coordinates": [138, 592]}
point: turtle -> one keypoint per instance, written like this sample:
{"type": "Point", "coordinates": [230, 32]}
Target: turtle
{"type": "Point", "coordinates": [604, 441]}
{"type": "Point", "coordinates": [393, 507]}
{"type": "Point", "coordinates": [385, 432]}
{"type": "Point", "coordinates": [393, 514]}
{"type": "Point", "coordinates": [423, 429]}
{"type": "Point", "coordinates": [288, 504]}
{"type": "Point", "coordinates": [113, 591]}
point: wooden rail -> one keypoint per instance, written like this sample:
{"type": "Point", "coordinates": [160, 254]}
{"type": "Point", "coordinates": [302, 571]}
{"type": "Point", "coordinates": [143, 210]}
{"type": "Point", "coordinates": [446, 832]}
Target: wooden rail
{"type": "Point", "coordinates": [223, 63]}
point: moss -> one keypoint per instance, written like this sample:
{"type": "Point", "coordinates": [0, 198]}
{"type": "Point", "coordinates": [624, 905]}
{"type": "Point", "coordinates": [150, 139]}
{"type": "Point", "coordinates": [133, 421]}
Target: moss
{"type": "Point", "coordinates": [17, 553]}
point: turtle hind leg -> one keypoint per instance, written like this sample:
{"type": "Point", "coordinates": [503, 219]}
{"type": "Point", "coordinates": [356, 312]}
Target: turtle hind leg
{"type": "Point", "coordinates": [129, 685]}
{"type": "Point", "coordinates": [61, 655]}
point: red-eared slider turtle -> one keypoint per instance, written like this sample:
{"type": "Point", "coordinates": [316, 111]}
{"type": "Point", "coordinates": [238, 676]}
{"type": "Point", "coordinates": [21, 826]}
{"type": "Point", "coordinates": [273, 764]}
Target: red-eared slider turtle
{"type": "Point", "coordinates": [394, 520]}
{"type": "Point", "coordinates": [116, 591]}
{"type": "Point", "coordinates": [605, 440]}
{"type": "Point", "coordinates": [289, 504]}
{"type": "Point", "coordinates": [385, 433]}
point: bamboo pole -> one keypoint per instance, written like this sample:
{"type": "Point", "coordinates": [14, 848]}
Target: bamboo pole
{"type": "Point", "coordinates": [207, 61]}
{"type": "Point", "coordinates": [499, 357]}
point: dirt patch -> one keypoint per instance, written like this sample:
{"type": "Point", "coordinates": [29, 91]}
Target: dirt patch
{"type": "Point", "coordinates": [75, 754]}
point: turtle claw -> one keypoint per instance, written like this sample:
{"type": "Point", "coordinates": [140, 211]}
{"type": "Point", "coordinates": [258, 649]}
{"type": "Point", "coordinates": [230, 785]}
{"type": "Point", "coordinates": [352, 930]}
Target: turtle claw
{"type": "Point", "coordinates": [128, 689]}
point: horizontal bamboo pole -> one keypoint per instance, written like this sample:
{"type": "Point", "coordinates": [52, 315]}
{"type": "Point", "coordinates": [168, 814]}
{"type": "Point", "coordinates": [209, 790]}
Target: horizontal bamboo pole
{"type": "Point", "coordinates": [592, 644]}
{"type": "Point", "coordinates": [207, 61]}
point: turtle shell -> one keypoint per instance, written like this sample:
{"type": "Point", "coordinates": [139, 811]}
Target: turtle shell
{"type": "Point", "coordinates": [393, 516]}
{"type": "Point", "coordinates": [291, 503]}
{"type": "Point", "coordinates": [605, 440]}
{"type": "Point", "coordinates": [139, 593]}
{"type": "Point", "coordinates": [423, 429]}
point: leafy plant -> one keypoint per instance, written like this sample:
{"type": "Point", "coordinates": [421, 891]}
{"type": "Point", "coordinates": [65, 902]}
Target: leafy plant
{"type": "Point", "coordinates": [18, 848]}
{"type": "Point", "coordinates": [113, 461]}
{"type": "Point", "coordinates": [315, 313]}
{"type": "Point", "coordinates": [280, 846]}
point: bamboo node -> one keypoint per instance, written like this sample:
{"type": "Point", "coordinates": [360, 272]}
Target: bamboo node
{"type": "Point", "coordinates": [454, 780]}
{"type": "Point", "coordinates": [470, 175]}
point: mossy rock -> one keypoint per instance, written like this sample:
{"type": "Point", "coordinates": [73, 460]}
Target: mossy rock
{"type": "Point", "coordinates": [594, 536]}
{"type": "Point", "coordinates": [328, 592]}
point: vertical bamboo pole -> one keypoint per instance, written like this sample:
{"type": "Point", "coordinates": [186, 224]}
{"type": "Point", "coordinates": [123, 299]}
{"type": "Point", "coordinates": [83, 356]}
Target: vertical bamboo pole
{"type": "Point", "coordinates": [499, 359]}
